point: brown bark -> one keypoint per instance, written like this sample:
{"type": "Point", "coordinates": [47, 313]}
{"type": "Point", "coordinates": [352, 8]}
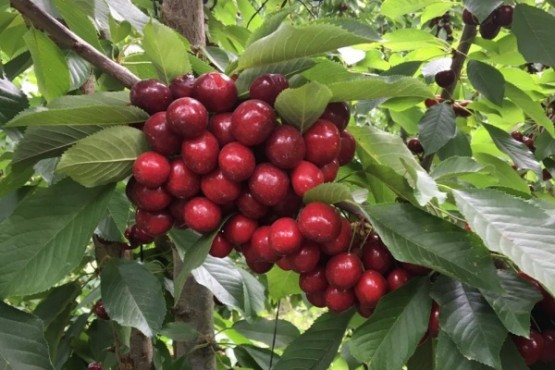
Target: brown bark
{"type": "Point", "coordinates": [186, 17]}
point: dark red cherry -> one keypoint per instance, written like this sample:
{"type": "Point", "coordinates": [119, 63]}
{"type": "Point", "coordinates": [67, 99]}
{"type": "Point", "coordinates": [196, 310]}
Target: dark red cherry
{"type": "Point", "coordinates": [317, 299]}
{"type": "Point", "coordinates": [216, 91]}
{"type": "Point", "coordinates": [160, 137]}
{"type": "Point", "coordinates": [306, 176]}
{"type": "Point", "coordinates": [290, 205]}
{"type": "Point", "coordinates": [370, 288]}
{"type": "Point", "coordinates": [218, 188]}
{"type": "Point", "coordinates": [338, 113]}
{"type": "Point", "coordinates": [100, 311]}
{"type": "Point", "coordinates": [285, 148]}
{"type": "Point", "coordinates": [239, 229]}
{"type": "Point", "coordinates": [182, 182]}
{"type": "Point", "coordinates": [397, 278]}
{"type": "Point", "coordinates": [306, 258]}
{"type": "Point", "coordinates": [339, 300]}
{"type": "Point", "coordinates": [433, 323]}
{"type": "Point", "coordinates": [150, 199]}
{"type": "Point", "coordinates": [94, 366]}
{"type": "Point", "coordinates": [252, 122]}
{"type": "Point", "coordinates": [445, 78]}
{"type": "Point", "coordinates": [200, 155]}
{"type": "Point", "coordinates": [319, 222]}
{"type": "Point", "coordinates": [260, 244]}
{"type": "Point", "coordinates": [330, 170]}
{"type": "Point", "coordinates": [503, 16]}
{"type": "Point", "coordinates": [469, 18]}
{"type": "Point", "coordinates": [285, 236]}
{"type": "Point", "coordinates": [268, 184]}
{"type": "Point", "coordinates": [151, 95]}
{"type": "Point", "coordinates": [249, 206]}
{"type": "Point", "coordinates": [344, 270]}
{"type": "Point", "coordinates": [220, 247]}
{"type": "Point", "coordinates": [236, 161]}
{"type": "Point", "coordinates": [347, 150]}
{"type": "Point", "coordinates": [375, 256]}
{"type": "Point", "coordinates": [202, 215]}
{"type": "Point", "coordinates": [267, 87]}
{"type": "Point", "coordinates": [322, 142]}
{"type": "Point", "coordinates": [220, 126]}
{"type": "Point", "coordinates": [151, 169]}
{"type": "Point", "coordinates": [187, 117]}
{"type": "Point", "coordinates": [531, 349]}
{"type": "Point", "coordinates": [314, 281]}
{"type": "Point", "coordinates": [415, 146]}
{"type": "Point", "coordinates": [548, 353]}
{"type": "Point", "coordinates": [182, 86]}
{"type": "Point", "coordinates": [154, 223]}
{"type": "Point", "coordinates": [342, 242]}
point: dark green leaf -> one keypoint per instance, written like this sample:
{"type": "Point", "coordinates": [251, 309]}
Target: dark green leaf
{"type": "Point", "coordinates": [18, 65]}
{"type": "Point", "coordinates": [78, 21]}
{"type": "Point", "coordinates": [457, 146]}
{"type": "Point", "coordinates": [47, 235]}
{"type": "Point", "coordinates": [79, 70]}
{"type": "Point", "coordinates": [12, 100]}
{"type": "Point", "coordinates": [119, 98]}
{"type": "Point", "coordinates": [502, 171]}
{"type": "Point", "coordinates": [282, 283]}
{"type": "Point", "coordinates": [367, 88]}
{"type": "Point", "coordinates": [126, 10]}
{"type": "Point", "coordinates": [545, 145]}
{"type": "Point", "coordinates": [254, 358]}
{"type": "Point", "coordinates": [511, 357]}
{"type": "Point", "coordinates": [423, 357]}
{"type": "Point", "coordinates": [56, 301]}
{"type": "Point", "coordinates": [456, 166]}
{"type": "Point", "coordinates": [262, 330]}
{"type": "Point", "coordinates": [403, 69]}
{"type": "Point", "coordinates": [316, 348]}
{"type": "Point", "coordinates": [443, 246]}
{"type": "Point", "coordinates": [10, 202]}
{"type": "Point", "coordinates": [449, 357]}
{"type": "Point", "coordinates": [179, 331]}
{"type": "Point", "coordinates": [531, 108]}
{"type": "Point", "coordinates": [133, 296]}
{"type": "Point", "coordinates": [482, 8]}
{"type": "Point", "coordinates": [534, 30]}
{"type": "Point", "coordinates": [469, 321]}
{"type": "Point", "coordinates": [437, 127]}
{"type": "Point", "coordinates": [329, 193]}
{"type": "Point", "coordinates": [396, 326]}
{"type": "Point", "coordinates": [14, 178]}
{"type": "Point", "coordinates": [487, 80]}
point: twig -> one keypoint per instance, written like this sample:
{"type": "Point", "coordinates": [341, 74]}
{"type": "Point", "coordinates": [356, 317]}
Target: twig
{"type": "Point", "coordinates": [67, 39]}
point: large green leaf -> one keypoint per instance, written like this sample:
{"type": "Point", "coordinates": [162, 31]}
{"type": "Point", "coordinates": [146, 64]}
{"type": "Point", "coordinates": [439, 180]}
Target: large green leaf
{"type": "Point", "coordinates": [443, 246]}
{"type": "Point", "coordinates": [449, 357]}
{"type": "Point", "coordinates": [531, 108]}
{"type": "Point", "coordinates": [104, 157]}
{"type": "Point", "coordinates": [271, 23]}
{"type": "Point", "coordinates": [316, 348]}
{"type": "Point", "coordinates": [469, 321]}
{"type": "Point", "coordinates": [520, 230]}
{"type": "Point", "coordinates": [502, 171]}
{"type": "Point", "coordinates": [534, 30]}
{"type": "Point", "coordinates": [262, 330]}
{"type": "Point", "coordinates": [377, 87]}
{"type": "Point", "coordinates": [126, 10]}
{"type": "Point", "coordinates": [12, 100]}
{"type": "Point", "coordinates": [119, 98]}
{"type": "Point", "coordinates": [396, 8]}
{"type": "Point", "coordinates": [82, 115]}
{"type": "Point", "coordinates": [47, 234]}
{"type": "Point", "coordinates": [22, 342]}
{"type": "Point", "coordinates": [290, 42]}
{"type": "Point", "coordinates": [396, 326]}
{"type": "Point", "coordinates": [456, 166]}
{"type": "Point", "coordinates": [437, 127]}
{"type": "Point", "coordinates": [282, 283]}
{"type": "Point", "coordinates": [232, 286]}
{"type": "Point", "coordinates": [487, 80]}
{"type": "Point", "coordinates": [133, 296]}
{"type": "Point", "coordinates": [482, 8]}
{"type": "Point", "coordinates": [423, 357]}
{"type": "Point", "coordinates": [78, 21]}
{"type": "Point", "coordinates": [329, 192]}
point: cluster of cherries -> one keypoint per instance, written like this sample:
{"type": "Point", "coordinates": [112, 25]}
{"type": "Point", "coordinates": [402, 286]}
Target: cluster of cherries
{"type": "Point", "coordinates": [502, 16]}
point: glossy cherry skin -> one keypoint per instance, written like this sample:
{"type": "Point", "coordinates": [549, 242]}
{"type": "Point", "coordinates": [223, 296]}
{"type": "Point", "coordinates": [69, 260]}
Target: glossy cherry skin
{"type": "Point", "coordinates": [548, 353]}
{"type": "Point", "coordinates": [100, 311]}
{"type": "Point", "coordinates": [187, 117]}
{"type": "Point", "coordinates": [285, 237]}
{"type": "Point", "coordinates": [137, 236]}
{"type": "Point", "coordinates": [260, 243]}
{"type": "Point", "coordinates": [182, 86]}
{"type": "Point", "coordinates": [503, 16]}
{"type": "Point", "coordinates": [370, 288]}
{"type": "Point", "coordinates": [218, 188]}
{"type": "Point", "coordinates": [200, 155]}
{"type": "Point", "coordinates": [285, 148]}
{"type": "Point", "coordinates": [268, 184]}
{"type": "Point", "coordinates": [339, 300]}
{"type": "Point", "coordinates": [330, 170]}
{"type": "Point", "coordinates": [531, 349]}
{"type": "Point", "coordinates": [469, 18]}
{"type": "Point", "coordinates": [319, 222]}
{"type": "Point", "coordinates": [375, 255]}
{"type": "Point", "coordinates": [94, 366]}
{"type": "Point", "coordinates": [182, 182]}
{"type": "Point", "coordinates": [202, 215]}
{"type": "Point", "coordinates": [365, 311]}
{"type": "Point", "coordinates": [445, 78]}
{"type": "Point", "coordinates": [151, 169]}
{"type": "Point", "coordinates": [290, 205]}
{"type": "Point", "coordinates": [338, 113]}
{"type": "Point", "coordinates": [259, 267]}
{"type": "Point", "coordinates": [433, 323]}
{"type": "Point", "coordinates": [220, 126]}
{"type": "Point", "coordinates": [160, 138]}
{"type": "Point", "coordinates": [344, 270]}
{"type": "Point", "coordinates": [305, 177]}
{"type": "Point", "coordinates": [347, 149]}
{"type": "Point", "coordinates": [154, 223]}
{"type": "Point", "coordinates": [397, 278]}
{"type": "Point", "coordinates": [342, 242]}
{"type": "Point", "coordinates": [236, 161]}
{"type": "Point", "coordinates": [314, 281]}
{"type": "Point", "coordinates": [322, 142]}
{"type": "Point", "coordinates": [252, 122]}
{"type": "Point", "coordinates": [150, 199]}
{"type": "Point", "coordinates": [151, 96]}
{"type": "Point", "coordinates": [317, 299]}
{"type": "Point", "coordinates": [216, 91]}
{"type": "Point", "coordinates": [267, 87]}
{"type": "Point", "coordinates": [238, 229]}
{"type": "Point", "coordinates": [489, 29]}
{"type": "Point", "coordinates": [306, 258]}
{"type": "Point", "coordinates": [284, 264]}
{"type": "Point", "coordinates": [250, 207]}
{"type": "Point", "coordinates": [415, 146]}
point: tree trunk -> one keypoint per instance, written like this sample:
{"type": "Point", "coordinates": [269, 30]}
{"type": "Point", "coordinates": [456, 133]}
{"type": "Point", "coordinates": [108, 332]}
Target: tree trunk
{"type": "Point", "coordinates": [186, 17]}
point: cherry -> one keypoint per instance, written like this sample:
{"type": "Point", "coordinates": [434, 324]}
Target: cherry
{"type": "Point", "coordinates": [289, 206]}
{"type": "Point", "coordinates": [220, 247]}
{"type": "Point", "coordinates": [433, 323]}
{"type": "Point", "coordinates": [370, 288]}
{"type": "Point", "coordinates": [285, 236]}
{"type": "Point", "coordinates": [260, 244]}
{"type": "Point", "coordinates": [236, 161]}
{"type": "Point", "coordinates": [252, 122]}
{"type": "Point", "coordinates": [548, 353]}
{"type": "Point", "coordinates": [306, 258]}
{"type": "Point", "coordinates": [100, 311]}
{"type": "Point", "coordinates": [547, 306]}
{"type": "Point", "coordinates": [461, 110]}
{"type": "Point", "coordinates": [339, 300]}
{"type": "Point", "coordinates": [314, 281]}
{"type": "Point", "coordinates": [267, 87]}
{"type": "Point", "coordinates": [342, 242]}
{"type": "Point", "coordinates": [415, 146]}
{"type": "Point", "coordinates": [220, 126]}
{"type": "Point", "coordinates": [182, 86]}
{"type": "Point", "coordinates": [268, 184]}
{"type": "Point", "coordinates": [469, 18]}
{"type": "Point", "coordinates": [529, 142]}
{"type": "Point", "coordinates": [319, 222]}
{"type": "Point", "coordinates": [218, 188]}
{"type": "Point", "coordinates": [147, 198]}
{"type": "Point", "coordinates": [365, 311]}
{"type": "Point", "coordinates": [503, 16]}
{"type": "Point", "coordinates": [94, 366]}
{"type": "Point", "coordinates": [518, 136]}
{"type": "Point", "coordinates": [322, 141]}
{"type": "Point", "coordinates": [305, 177]}
{"type": "Point", "coordinates": [397, 278]}
{"type": "Point", "coordinates": [216, 91]}
{"type": "Point", "coordinates": [151, 95]}
{"type": "Point", "coordinates": [239, 229]}
{"type": "Point", "coordinates": [137, 236]}
{"type": "Point", "coordinates": [285, 148]}
{"type": "Point", "coordinates": [249, 206]}
{"type": "Point", "coordinates": [338, 113]}
{"type": "Point", "coordinates": [430, 102]}
{"type": "Point", "coordinates": [546, 175]}
{"type": "Point", "coordinates": [202, 215]}
{"type": "Point", "coordinates": [187, 117]}
{"type": "Point", "coordinates": [330, 170]}
{"type": "Point", "coordinates": [182, 182]}
{"type": "Point", "coordinates": [375, 256]}
{"type": "Point", "coordinates": [530, 349]}
{"type": "Point", "coordinates": [154, 223]}
{"type": "Point", "coordinates": [317, 299]}
{"type": "Point", "coordinates": [445, 78]}
{"type": "Point", "coordinates": [489, 29]}
{"type": "Point", "coordinates": [344, 270]}
{"type": "Point", "coordinates": [284, 263]}
{"type": "Point", "coordinates": [415, 269]}
{"type": "Point", "coordinates": [347, 149]}
{"type": "Point", "coordinates": [200, 154]}
{"type": "Point", "coordinates": [259, 267]}
{"type": "Point", "coordinates": [151, 169]}
{"type": "Point", "coordinates": [160, 137]}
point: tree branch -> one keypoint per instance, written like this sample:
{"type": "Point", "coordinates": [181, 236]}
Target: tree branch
{"type": "Point", "coordinates": [67, 39]}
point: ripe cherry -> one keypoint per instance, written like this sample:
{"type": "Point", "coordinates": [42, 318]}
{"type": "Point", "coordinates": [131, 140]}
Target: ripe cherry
{"type": "Point", "coordinates": [182, 182]}
{"type": "Point", "coordinates": [330, 170]}
{"type": "Point", "coordinates": [160, 137]}
{"type": "Point", "coordinates": [216, 91]}
{"type": "Point", "coordinates": [375, 256]}
{"type": "Point", "coordinates": [249, 206]}
{"type": "Point", "coordinates": [319, 222]}
{"type": "Point", "coordinates": [260, 244]}
{"type": "Point", "coordinates": [182, 86]}
{"type": "Point", "coordinates": [187, 117]}
{"type": "Point", "coordinates": [200, 154]}
{"type": "Point", "coordinates": [285, 236]}
{"type": "Point", "coordinates": [151, 169]}
{"type": "Point", "coordinates": [397, 278]}
{"type": "Point", "coordinates": [347, 149]}
{"type": "Point", "coordinates": [370, 288]}
{"type": "Point", "coordinates": [338, 113]}
{"type": "Point", "coordinates": [267, 87]}
{"type": "Point", "coordinates": [365, 311]}
{"type": "Point", "coordinates": [322, 141]}
{"type": "Point", "coordinates": [415, 146]}
{"type": "Point", "coordinates": [529, 142]}
{"type": "Point", "coordinates": [220, 126]}
{"type": "Point", "coordinates": [285, 148]}
{"type": "Point", "coordinates": [489, 29]}
{"type": "Point", "coordinates": [259, 267]}
{"type": "Point", "coordinates": [342, 242]}
{"type": "Point", "coordinates": [469, 18]}
{"type": "Point", "coordinates": [154, 223]}
{"type": "Point", "coordinates": [317, 299]}
{"type": "Point", "coordinates": [503, 16]}
{"type": "Point", "coordinates": [94, 366]}
{"type": "Point", "coordinates": [305, 177]}
{"type": "Point", "coordinates": [344, 270]}
{"type": "Point", "coordinates": [239, 229]}
{"type": "Point", "coordinates": [202, 215]}
{"type": "Point", "coordinates": [252, 122]}
{"type": "Point", "coordinates": [433, 323]}
{"type": "Point", "coordinates": [445, 78]}
{"type": "Point", "coordinates": [306, 258]}
{"type": "Point", "coordinates": [100, 311]}
{"type": "Point", "coordinates": [531, 349]}
{"type": "Point", "coordinates": [290, 205]}
{"type": "Point", "coordinates": [151, 95]}
{"type": "Point", "coordinates": [236, 161]}
{"type": "Point", "coordinates": [268, 184]}
{"type": "Point", "coordinates": [284, 263]}
{"type": "Point", "coordinates": [220, 247]}
{"type": "Point", "coordinates": [518, 136]}
{"type": "Point", "coordinates": [548, 353]}
{"type": "Point", "coordinates": [150, 199]}
{"type": "Point", "coordinates": [137, 236]}
{"type": "Point", "coordinates": [430, 102]}
{"type": "Point", "coordinates": [339, 300]}
{"type": "Point", "coordinates": [314, 281]}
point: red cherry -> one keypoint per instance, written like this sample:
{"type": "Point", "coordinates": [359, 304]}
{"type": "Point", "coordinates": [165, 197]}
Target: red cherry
{"type": "Point", "coordinates": [370, 288]}
{"type": "Point", "coordinates": [260, 244]}
{"type": "Point", "coordinates": [187, 117]}
{"type": "Point", "coordinates": [306, 176]}
{"type": "Point", "coordinates": [202, 215]}
{"type": "Point", "coordinates": [530, 349]}
{"type": "Point", "coordinates": [290, 205]}
{"type": "Point", "coordinates": [238, 229]}
{"type": "Point", "coordinates": [518, 136]}
{"type": "Point", "coordinates": [546, 175]}
{"type": "Point", "coordinates": [182, 86]}
{"type": "Point", "coordinates": [154, 223]}
{"type": "Point", "coordinates": [339, 300]}
{"type": "Point", "coordinates": [182, 182]}
{"type": "Point", "coordinates": [415, 146]}
{"type": "Point", "coordinates": [314, 281]}
{"type": "Point", "coordinates": [503, 16]}
{"type": "Point", "coordinates": [151, 169]}
{"type": "Point", "coordinates": [317, 299]}
{"type": "Point", "coordinates": [469, 18]}
{"type": "Point", "coordinates": [259, 267]}
{"type": "Point", "coordinates": [306, 258]}
{"type": "Point", "coordinates": [151, 96]}
{"type": "Point", "coordinates": [397, 278]}
{"type": "Point", "coordinates": [375, 255]}
{"type": "Point", "coordinates": [344, 270]}
{"type": "Point", "coordinates": [342, 242]}
{"type": "Point", "coordinates": [430, 102]}
{"type": "Point", "coordinates": [137, 236]}
{"type": "Point", "coordinates": [218, 188]}
{"type": "Point", "coordinates": [337, 113]}
{"type": "Point", "coordinates": [433, 323]}
{"type": "Point", "coordinates": [347, 149]}
{"type": "Point", "coordinates": [529, 142]}
{"type": "Point", "coordinates": [100, 311]}
{"type": "Point", "coordinates": [365, 311]}
{"type": "Point", "coordinates": [249, 206]}
{"type": "Point", "coordinates": [548, 353]}
{"type": "Point", "coordinates": [330, 170]}
{"type": "Point", "coordinates": [285, 148]}
{"type": "Point", "coordinates": [160, 137]}
{"type": "Point", "coordinates": [322, 142]}
{"type": "Point", "coordinates": [285, 236]}
{"type": "Point", "coordinates": [201, 154]}
{"type": "Point", "coordinates": [319, 222]}
{"type": "Point", "coordinates": [445, 78]}
{"type": "Point", "coordinates": [220, 247]}
{"type": "Point", "coordinates": [284, 263]}
{"type": "Point", "coordinates": [415, 269]}
{"type": "Point", "coordinates": [268, 184]}
{"type": "Point", "coordinates": [220, 126]}
{"type": "Point", "coordinates": [216, 91]}
{"type": "Point", "coordinates": [94, 366]}
{"type": "Point", "coordinates": [147, 198]}
{"type": "Point", "coordinates": [252, 122]}
{"type": "Point", "coordinates": [267, 87]}
{"type": "Point", "coordinates": [236, 161]}
{"type": "Point", "coordinates": [489, 29]}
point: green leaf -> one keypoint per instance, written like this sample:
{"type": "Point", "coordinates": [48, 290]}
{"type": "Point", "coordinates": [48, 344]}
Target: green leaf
{"type": "Point", "coordinates": [456, 166]}
{"type": "Point", "coordinates": [179, 331]}
{"type": "Point", "coordinates": [522, 231]}
{"type": "Point", "coordinates": [133, 296]}
{"type": "Point", "coordinates": [437, 127]}
{"type": "Point", "coordinates": [329, 193]}
{"type": "Point", "coordinates": [531, 108]}
{"type": "Point", "coordinates": [368, 88]}
{"type": "Point", "coordinates": [79, 70]}
{"type": "Point", "coordinates": [481, 9]}
{"type": "Point", "coordinates": [232, 286]}
{"type": "Point", "coordinates": [282, 283]}
{"type": "Point", "coordinates": [511, 357]}
{"type": "Point", "coordinates": [291, 42]}
{"type": "Point", "coordinates": [534, 30]}
{"type": "Point", "coordinates": [469, 321]}
{"type": "Point", "coordinates": [14, 179]}
{"type": "Point", "coordinates": [449, 357]}
{"type": "Point", "coordinates": [78, 21]}
{"type": "Point", "coordinates": [57, 300]}
{"type": "Point", "coordinates": [271, 23]}
{"type": "Point", "coordinates": [119, 98]}
{"type": "Point", "coordinates": [22, 342]}
{"type": "Point", "coordinates": [519, 152]}
{"type": "Point", "coordinates": [49, 64]}
{"type": "Point", "coordinates": [12, 100]}
{"type": "Point", "coordinates": [458, 146]}
{"type": "Point", "coordinates": [487, 80]}
{"type": "Point", "coordinates": [396, 326]}
{"type": "Point", "coordinates": [506, 176]}
{"type": "Point", "coordinates": [104, 157]}
{"type": "Point", "coordinates": [396, 8]}
{"type": "Point", "coordinates": [254, 358]}
{"type": "Point", "coordinates": [443, 246]}
{"type": "Point", "coordinates": [514, 306]}
{"type": "Point", "coordinates": [423, 357]}
{"type": "Point", "coordinates": [126, 10]}
{"type": "Point", "coordinates": [165, 48]}
{"type": "Point", "coordinates": [316, 348]}
{"type": "Point", "coordinates": [302, 106]}
{"type": "Point", "coordinates": [84, 115]}
{"type": "Point", "coordinates": [47, 235]}
{"type": "Point", "coordinates": [262, 330]}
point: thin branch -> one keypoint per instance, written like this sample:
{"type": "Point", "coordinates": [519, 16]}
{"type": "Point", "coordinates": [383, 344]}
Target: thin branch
{"type": "Point", "coordinates": [67, 39]}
